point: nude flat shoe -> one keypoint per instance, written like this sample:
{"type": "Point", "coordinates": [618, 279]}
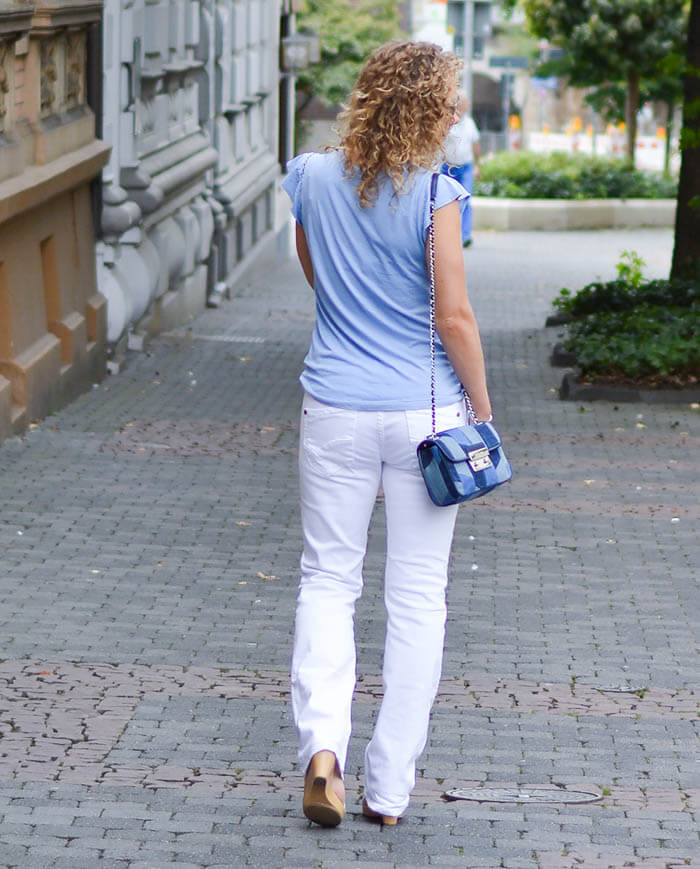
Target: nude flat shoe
{"type": "Point", "coordinates": [322, 805]}
{"type": "Point", "coordinates": [385, 820]}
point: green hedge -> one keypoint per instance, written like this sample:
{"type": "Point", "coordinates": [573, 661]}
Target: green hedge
{"type": "Point", "coordinates": [652, 341]}
{"type": "Point", "coordinates": [632, 328]}
{"type": "Point", "coordinates": [620, 295]}
{"type": "Point", "coordinates": [527, 175]}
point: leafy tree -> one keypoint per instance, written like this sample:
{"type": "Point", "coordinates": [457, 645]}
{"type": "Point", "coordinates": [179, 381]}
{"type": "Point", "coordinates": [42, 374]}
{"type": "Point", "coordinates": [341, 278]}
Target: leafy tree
{"type": "Point", "coordinates": [667, 88]}
{"type": "Point", "coordinates": [686, 253]}
{"type": "Point", "coordinates": [608, 100]}
{"type": "Point", "coordinates": [608, 41]}
{"type": "Point", "coordinates": [350, 30]}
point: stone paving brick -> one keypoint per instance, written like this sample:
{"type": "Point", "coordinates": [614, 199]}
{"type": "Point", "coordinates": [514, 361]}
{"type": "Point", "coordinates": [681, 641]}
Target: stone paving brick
{"type": "Point", "coordinates": [48, 856]}
{"type": "Point", "coordinates": [459, 860]}
{"type": "Point", "coordinates": [342, 864]}
{"type": "Point", "coordinates": [157, 864]}
{"type": "Point", "coordinates": [153, 585]}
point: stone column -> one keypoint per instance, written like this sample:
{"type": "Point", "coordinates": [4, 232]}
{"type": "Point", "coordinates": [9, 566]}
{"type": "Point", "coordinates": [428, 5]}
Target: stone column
{"type": "Point", "coordinates": [245, 120]}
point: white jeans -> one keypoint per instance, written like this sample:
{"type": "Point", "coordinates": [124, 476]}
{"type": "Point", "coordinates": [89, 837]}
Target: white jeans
{"type": "Point", "coordinates": [344, 457]}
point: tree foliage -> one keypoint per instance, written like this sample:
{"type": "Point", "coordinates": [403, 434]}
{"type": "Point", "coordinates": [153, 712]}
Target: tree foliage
{"type": "Point", "coordinates": [612, 41]}
{"type": "Point", "coordinates": [350, 30]}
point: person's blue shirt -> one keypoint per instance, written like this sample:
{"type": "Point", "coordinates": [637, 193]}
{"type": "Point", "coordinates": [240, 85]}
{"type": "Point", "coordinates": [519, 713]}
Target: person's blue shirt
{"type": "Point", "coordinates": [370, 348]}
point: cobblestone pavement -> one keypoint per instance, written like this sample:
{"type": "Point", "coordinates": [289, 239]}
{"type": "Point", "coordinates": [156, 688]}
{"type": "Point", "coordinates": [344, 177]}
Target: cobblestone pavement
{"type": "Point", "coordinates": [150, 540]}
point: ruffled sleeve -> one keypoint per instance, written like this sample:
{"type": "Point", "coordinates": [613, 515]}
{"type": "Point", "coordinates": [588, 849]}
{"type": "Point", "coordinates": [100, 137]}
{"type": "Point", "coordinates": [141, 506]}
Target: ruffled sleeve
{"type": "Point", "coordinates": [448, 190]}
{"type": "Point", "coordinates": [293, 186]}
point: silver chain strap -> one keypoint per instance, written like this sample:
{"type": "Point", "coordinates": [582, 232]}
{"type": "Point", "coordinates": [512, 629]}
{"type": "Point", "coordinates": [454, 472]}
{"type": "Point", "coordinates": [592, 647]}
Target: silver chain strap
{"type": "Point", "coordinates": [431, 248]}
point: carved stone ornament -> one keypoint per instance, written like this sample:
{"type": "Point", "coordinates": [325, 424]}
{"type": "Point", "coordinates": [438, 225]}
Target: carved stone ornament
{"type": "Point", "coordinates": [75, 69]}
{"type": "Point", "coordinates": [145, 117]}
{"type": "Point", "coordinates": [190, 100]}
{"type": "Point", "coordinates": [49, 74]}
{"type": "Point", "coordinates": [4, 80]}
{"type": "Point", "coordinates": [174, 98]}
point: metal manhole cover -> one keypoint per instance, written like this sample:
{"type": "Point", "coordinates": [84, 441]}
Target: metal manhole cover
{"type": "Point", "coordinates": [521, 795]}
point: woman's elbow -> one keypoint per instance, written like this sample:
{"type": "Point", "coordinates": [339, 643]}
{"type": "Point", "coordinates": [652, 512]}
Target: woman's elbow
{"type": "Point", "coordinates": [455, 325]}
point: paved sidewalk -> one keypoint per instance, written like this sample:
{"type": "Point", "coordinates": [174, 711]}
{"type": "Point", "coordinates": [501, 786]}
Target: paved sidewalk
{"type": "Point", "coordinates": [150, 539]}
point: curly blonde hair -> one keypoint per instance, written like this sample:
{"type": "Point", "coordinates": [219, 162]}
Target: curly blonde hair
{"type": "Point", "coordinates": [399, 111]}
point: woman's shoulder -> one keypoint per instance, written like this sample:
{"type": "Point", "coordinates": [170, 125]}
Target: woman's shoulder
{"type": "Point", "coordinates": [319, 160]}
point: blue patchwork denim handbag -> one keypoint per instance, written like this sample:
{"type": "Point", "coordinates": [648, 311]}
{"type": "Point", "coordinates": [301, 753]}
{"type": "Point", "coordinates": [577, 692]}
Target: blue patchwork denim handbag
{"type": "Point", "coordinates": [464, 462]}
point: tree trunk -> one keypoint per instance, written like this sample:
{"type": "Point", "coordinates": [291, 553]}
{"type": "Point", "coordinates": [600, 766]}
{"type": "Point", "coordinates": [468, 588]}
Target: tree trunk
{"type": "Point", "coordinates": [670, 109]}
{"type": "Point", "coordinates": [631, 109]}
{"type": "Point", "coordinates": [686, 252]}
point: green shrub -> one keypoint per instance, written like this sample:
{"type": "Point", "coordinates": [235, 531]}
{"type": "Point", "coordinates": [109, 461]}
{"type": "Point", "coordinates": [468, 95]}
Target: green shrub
{"type": "Point", "coordinates": [629, 268]}
{"type": "Point", "coordinates": [528, 175]}
{"type": "Point", "coordinates": [649, 342]}
{"type": "Point", "coordinates": [634, 328]}
{"type": "Point", "coordinates": [621, 295]}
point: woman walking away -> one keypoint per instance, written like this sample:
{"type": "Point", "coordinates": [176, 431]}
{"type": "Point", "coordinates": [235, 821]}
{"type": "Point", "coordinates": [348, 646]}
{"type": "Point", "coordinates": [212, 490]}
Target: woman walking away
{"type": "Point", "coordinates": [362, 217]}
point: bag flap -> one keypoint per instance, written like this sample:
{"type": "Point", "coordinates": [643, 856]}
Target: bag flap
{"type": "Point", "coordinates": [455, 443]}
{"type": "Point", "coordinates": [490, 436]}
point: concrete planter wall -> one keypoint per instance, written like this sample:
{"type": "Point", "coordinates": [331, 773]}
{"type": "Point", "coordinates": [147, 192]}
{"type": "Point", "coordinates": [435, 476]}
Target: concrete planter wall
{"type": "Point", "coordinates": [558, 214]}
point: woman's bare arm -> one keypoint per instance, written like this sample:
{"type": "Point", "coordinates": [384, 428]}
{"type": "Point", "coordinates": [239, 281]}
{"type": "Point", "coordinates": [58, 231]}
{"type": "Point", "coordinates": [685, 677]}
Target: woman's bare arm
{"type": "Point", "coordinates": [304, 255]}
{"type": "Point", "coordinates": [454, 318]}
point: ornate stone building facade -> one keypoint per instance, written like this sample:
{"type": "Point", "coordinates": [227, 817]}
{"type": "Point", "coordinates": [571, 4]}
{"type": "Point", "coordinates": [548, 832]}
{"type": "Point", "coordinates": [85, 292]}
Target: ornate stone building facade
{"type": "Point", "coordinates": [52, 319]}
{"type": "Point", "coordinates": [191, 110]}
{"type": "Point", "coordinates": [185, 98]}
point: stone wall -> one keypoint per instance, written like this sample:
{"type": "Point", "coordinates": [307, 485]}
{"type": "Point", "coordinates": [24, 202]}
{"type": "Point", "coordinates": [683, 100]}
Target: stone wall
{"type": "Point", "coordinates": [191, 110]}
{"type": "Point", "coordinates": [52, 318]}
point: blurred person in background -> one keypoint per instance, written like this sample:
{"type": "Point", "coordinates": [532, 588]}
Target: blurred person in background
{"type": "Point", "coordinates": [462, 155]}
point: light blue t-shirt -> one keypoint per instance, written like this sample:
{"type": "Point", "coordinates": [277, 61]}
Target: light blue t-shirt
{"type": "Point", "coordinates": [370, 348]}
